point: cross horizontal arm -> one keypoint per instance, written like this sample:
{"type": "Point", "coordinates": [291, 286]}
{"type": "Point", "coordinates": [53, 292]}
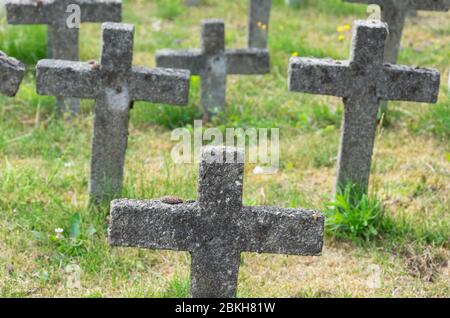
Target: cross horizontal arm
{"type": "Point", "coordinates": [188, 60]}
{"type": "Point", "coordinates": [67, 79]}
{"type": "Point", "coordinates": [100, 11]}
{"type": "Point", "coordinates": [281, 231]}
{"type": "Point", "coordinates": [45, 12]}
{"type": "Point", "coordinates": [160, 85]}
{"type": "Point", "coordinates": [11, 75]}
{"type": "Point", "coordinates": [152, 224]}
{"type": "Point", "coordinates": [248, 61]}
{"type": "Point", "coordinates": [410, 84]}
{"type": "Point", "coordinates": [28, 12]}
{"type": "Point", "coordinates": [319, 76]}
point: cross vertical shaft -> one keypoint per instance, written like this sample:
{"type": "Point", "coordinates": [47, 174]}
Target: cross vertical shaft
{"type": "Point", "coordinates": [258, 25]}
{"type": "Point", "coordinates": [214, 272]}
{"type": "Point", "coordinates": [395, 18]}
{"type": "Point", "coordinates": [357, 141]}
{"type": "Point", "coordinates": [112, 113]}
{"type": "Point", "coordinates": [63, 44]}
{"type": "Point", "coordinates": [361, 107]}
{"type": "Point", "coordinates": [214, 77]}
{"type": "Point", "coordinates": [109, 146]}
{"type": "Point", "coordinates": [215, 263]}
{"type": "Point", "coordinates": [221, 180]}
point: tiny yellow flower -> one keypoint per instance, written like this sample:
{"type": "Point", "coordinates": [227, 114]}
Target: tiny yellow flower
{"type": "Point", "coordinates": [343, 28]}
{"type": "Point", "coordinates": [261, 25]}
{"type": "Point", "coordinates": [341, 37]}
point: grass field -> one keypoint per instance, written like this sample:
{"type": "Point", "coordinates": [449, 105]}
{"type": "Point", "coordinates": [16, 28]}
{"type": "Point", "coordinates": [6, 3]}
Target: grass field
{"type": "Point", "coordinates": [394, 244]}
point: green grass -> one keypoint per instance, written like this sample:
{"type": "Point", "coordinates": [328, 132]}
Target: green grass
{"type": "Point", "coordinates": [355, 215]}
{"type": "Point", "coordinates": [26, 43]}
{"type": "Point", "coordinates": [362, 218]}
{"type": "Point", "coordinates": [436, 121]}
{"type": "Point", "coordinates": [169, 9]}
{"type": "Point", "coordinates": [44, 166]}
{"type": "Point", "coordinates": [176, 288]}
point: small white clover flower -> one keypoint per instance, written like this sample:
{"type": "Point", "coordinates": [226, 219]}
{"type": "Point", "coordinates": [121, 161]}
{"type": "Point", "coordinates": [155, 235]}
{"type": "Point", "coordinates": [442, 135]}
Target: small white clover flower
{"type": "Point", "coordinates": [59, 233]}
{"type": "Point", "coordinates": [157, 25]}
{"type": "Point", "coordinates": [69, 164]}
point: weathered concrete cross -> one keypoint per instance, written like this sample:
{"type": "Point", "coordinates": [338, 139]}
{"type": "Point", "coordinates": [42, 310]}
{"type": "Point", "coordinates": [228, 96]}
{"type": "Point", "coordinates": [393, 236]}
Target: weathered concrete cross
{"type": "Point", "coordinates": [213, 63]}
{"type": "Point", "coordinates": [11, 75]}
{"type": "Point", "coordinates": [115, 84]}
{"type": "Point", "coordinates": [63, 41]}
{"type": "Point", "coordinates": [362, 82]}
{"type": "Point", "coordinates": [258, 25]}
{"type": "Point", "coordinates": [216, 228]}
{"type": "Point", "coordinates": [394, 13]}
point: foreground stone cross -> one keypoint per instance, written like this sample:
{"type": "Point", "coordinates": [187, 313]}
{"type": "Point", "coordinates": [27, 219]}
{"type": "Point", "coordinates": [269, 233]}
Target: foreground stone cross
{"type": "Point", "coordinates": [63, 40]}
{"type": "Point", "coordinates": [258, 26]}
{"type": "Point", "coordinates": [115, 84]}
{"type": "Point", "coordinates": [216, 228]}
{"type": "Point", "coordinates": [11, 74]}
{"type": "Point", "coordinates": [362, 82]}
{"type": "Point", "coordinates": [213, 63]}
